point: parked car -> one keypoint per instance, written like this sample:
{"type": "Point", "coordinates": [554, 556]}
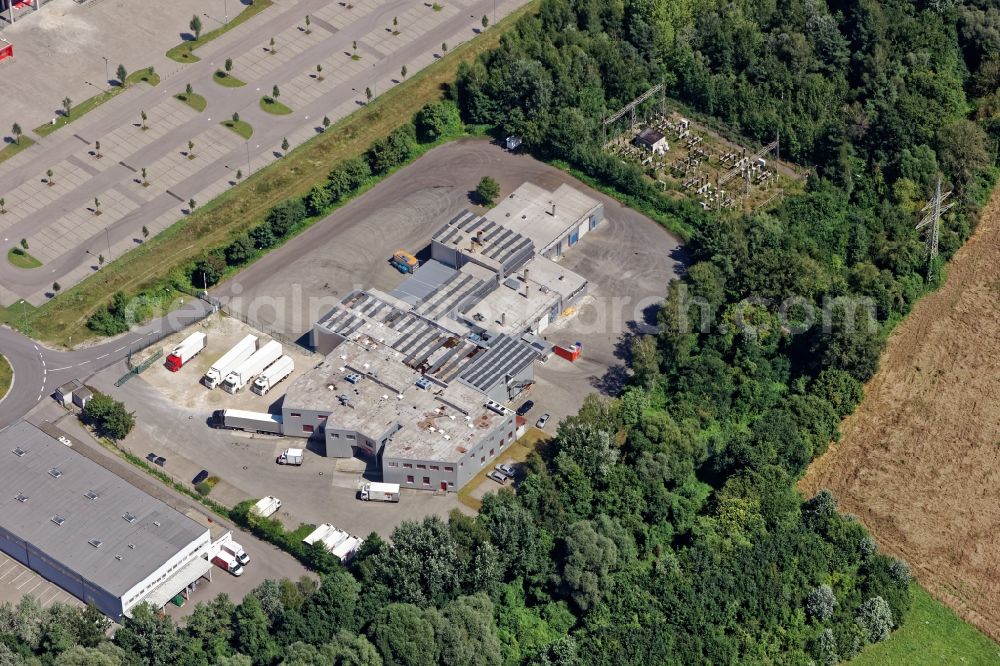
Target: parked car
{"type": "Point", "coordinates": [542, 420]}
{"type": "Point", "coordinates": [151, 457]}
{"type": "Point", "coordinates": [498, 477]}
{"type": "Point", "coordinates": [199, 477]}
{"type": "Point", "coordinates": [506, 470]}
{"type": "Point", "coordinates": [161, 461]}
{"type": "Point", "coordinates": [525, 408]}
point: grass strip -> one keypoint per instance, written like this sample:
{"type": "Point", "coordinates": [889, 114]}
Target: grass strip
{"type": "Point", "coordinates": [21, 259]}
{"type": "Point", "coordinates": [273, 106]}
{"type": "Point", "coordinates": [184, 52]}
{"type": "Point", "coordinates": [194, 100]}
{"type": "Point", "coordinates": [227, 80]}
{"type": "Point", "coordinates": [14, 148]}
{"type": "Point", "coordinates": [6, 376]}
{"type": "Point", "coordinates": [157, 263]}
{"type": "Point", "coordinates": [241, 127]}
{"type": "Point", "coordinates": [91, 103]}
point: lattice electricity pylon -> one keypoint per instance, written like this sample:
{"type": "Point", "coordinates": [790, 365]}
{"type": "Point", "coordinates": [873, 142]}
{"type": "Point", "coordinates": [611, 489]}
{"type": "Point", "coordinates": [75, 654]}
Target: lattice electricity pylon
{"type": "Point", "coordinates": [631, 106]}
{"type": "Point", "coordinates": [933, 220]}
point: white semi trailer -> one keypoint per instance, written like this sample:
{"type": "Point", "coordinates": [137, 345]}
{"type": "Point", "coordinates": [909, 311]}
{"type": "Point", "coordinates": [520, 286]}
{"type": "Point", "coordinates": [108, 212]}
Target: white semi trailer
{"type": "Point", "coordinates": [245, 372]}
{"type": "Point", "coordinates": [278, 370]}
{"type": "Point", "coordinates": [243, 350]}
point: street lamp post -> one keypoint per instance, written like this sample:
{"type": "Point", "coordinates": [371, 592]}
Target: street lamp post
{"type": "Point", "coordinates": [248, 159]}
{"type": "Point", "coordinates": [225, 9]}
{"type": "Point", "coordinates": [107, 237]}
{"type": "Point", "coordinates": [24, 315]}
{"type": "Point", "coordinates": [107, 72]}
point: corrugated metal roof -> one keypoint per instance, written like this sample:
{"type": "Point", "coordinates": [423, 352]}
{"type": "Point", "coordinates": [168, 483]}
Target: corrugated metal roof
{"type": "Point", "coordinates": [506, 356]}
{"type": "Point", "coordinates": [157, 533]}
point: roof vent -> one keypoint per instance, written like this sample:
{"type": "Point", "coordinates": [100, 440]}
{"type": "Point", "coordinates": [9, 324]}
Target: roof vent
{"type": "Point", "coordinates": [21, 498]}
{"type": "Point", "coordinates": [55, 472]}
{"type": "Point", "coordinates": [58, 520]}
{"type": "Point", "coordinates": [129, 518]}
{"type": "Point", "coordinates": [96, 543]}
{"type": "Point", "coordinates": [118, 557]}
{"type": "Point", "coordinates": [132, 546]}
{"type": "Point", "coordinates": [18, 451]}
{"type": "Point", "coordinates": [156, 522]}
{"type": "Point", "coordinates": [91, 495]}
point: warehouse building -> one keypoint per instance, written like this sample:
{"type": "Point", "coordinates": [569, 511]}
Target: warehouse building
{"type": "Point", "coordinates": [90, 532]}
{"type": "Point", "coordinates": [419, 377]}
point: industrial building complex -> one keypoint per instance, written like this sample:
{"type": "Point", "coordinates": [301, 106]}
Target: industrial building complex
{"type": "Point", "coordinates": [420, 377]}
{"type": "Point", "coordinates": [85, 529]}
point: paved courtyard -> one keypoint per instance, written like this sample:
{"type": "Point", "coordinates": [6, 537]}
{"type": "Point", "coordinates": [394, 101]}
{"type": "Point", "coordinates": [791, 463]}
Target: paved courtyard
{"type": "Point", "coordinates": [59, 219]}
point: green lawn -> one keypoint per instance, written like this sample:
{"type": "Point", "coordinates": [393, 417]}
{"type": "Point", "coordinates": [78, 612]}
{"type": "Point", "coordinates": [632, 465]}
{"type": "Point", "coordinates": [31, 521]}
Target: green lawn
{"type": "Point", "coordinates": [932, 635]}
{"type": "Point", "coordinates": [194, 100]}
{"type": "Point", "coordinates": [14, 148]}
{"type": "Point", "coordinates": [227, 80]}
{"type": "Point", "coordinates": [184, 52]}
{"type": "Point", "coordinates": [6, 376]}
{"type": "Point", "coordinates": [242, 127]}
{"type": "Point", "coordinates": [88, 105]}
{"type": "Point", "coordinates": [20, 258]}
{"type": "Point", "coordinates": [272, 105]}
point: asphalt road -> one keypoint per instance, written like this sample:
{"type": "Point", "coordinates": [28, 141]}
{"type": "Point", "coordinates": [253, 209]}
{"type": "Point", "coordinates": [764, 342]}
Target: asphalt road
{"type": "Point", "coordinates": [203, 178]}
{"type": "Point", "coordinates": [39, 371]}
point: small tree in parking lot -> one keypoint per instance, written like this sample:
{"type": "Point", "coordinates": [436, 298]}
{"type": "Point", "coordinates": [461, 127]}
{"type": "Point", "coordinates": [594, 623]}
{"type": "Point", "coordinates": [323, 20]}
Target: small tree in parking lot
{"type": "Point", "coordinates": [228, 65]}
{"type": "Point", "coordinates": [195, 26]}
{"type": "Point", "coordinates": [487, 190]}
{"type": "Point", "coordinates": [122, 74]}
{"type": "Point", "coordinates": [108, 417]}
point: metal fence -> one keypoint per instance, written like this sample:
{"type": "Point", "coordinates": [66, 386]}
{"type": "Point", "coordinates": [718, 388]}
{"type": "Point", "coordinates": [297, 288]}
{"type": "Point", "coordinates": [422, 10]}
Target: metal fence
{"type": "Point", "coordinates": [280, 337]}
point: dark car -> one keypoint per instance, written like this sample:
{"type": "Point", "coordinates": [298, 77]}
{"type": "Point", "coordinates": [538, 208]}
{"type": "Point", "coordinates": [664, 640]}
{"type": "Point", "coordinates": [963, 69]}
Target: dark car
{"type": "Point", "coordinates": [151, 457]}
{"type": "Point", "coordinates": [201, 476]}
{"type": "Point", "coordinates": [525, 408]}
{"type": "Point", "coordinates": [160, 461]}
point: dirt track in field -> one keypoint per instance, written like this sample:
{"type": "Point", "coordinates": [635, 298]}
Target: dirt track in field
{"type": "Point", "coordinates": [919, 461]}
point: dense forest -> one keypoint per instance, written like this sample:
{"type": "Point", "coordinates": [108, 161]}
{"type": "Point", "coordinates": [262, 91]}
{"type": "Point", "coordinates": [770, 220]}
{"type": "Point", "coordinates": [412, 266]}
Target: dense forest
{"type": "Point", "coordinates": [662, 526]}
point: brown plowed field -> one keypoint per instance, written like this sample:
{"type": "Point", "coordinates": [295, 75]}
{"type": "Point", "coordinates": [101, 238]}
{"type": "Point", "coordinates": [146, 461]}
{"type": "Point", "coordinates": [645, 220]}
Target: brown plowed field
{"type": "Point", "coordinates": [919, 461]}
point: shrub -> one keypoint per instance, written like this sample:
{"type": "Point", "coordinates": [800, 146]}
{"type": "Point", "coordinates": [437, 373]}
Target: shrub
{"type": "Point", "coordinates": [437, 120]}
{"type": "Point", "coordinates": [203, 488]}
{"type": "Point", "coordinates": [875, 619]}
{"type": "Point", "coordinates": [112, 319]}
{"type": "Point", "coordinates": [285, 216]}
{"type": "Point", "coordinates": [208, 271]}
{"type": "Point", "coordinates": [393, 150]}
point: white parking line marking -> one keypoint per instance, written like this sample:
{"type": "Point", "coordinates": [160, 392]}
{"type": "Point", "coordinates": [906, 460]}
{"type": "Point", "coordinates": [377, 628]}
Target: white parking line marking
{"type": "Point", "coordinates": [121, 348]}
{"type": "Point", "coordinates": [29, 590]}
{"type": "Point", "coordinates": [58, 369]}
{"type": "Point", "coordinates": [100, 357]}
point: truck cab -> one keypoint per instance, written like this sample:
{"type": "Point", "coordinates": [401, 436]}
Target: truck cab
{"type": "Point", "coordinates": [236, 550]}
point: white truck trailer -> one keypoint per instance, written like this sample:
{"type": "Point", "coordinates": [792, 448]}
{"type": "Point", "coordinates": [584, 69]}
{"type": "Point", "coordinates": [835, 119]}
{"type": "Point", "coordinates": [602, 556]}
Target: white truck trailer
{"type": "Point", "coordinates": [266, 506]}
{"type": "Point", "coordinates": [185, 351]}
{"type": "Point", "coordinates": [277, 371]}
{"type": "Point", "coordinates": [243, 350]}
{"type": "Point", "coordinates": [291, 457]}
{"type": "Point", "coordinates": [238, 419]}
{"type": "Point", "coordinates": [244, 373]}
{"type": "Point", "coordinates": [380, 492]}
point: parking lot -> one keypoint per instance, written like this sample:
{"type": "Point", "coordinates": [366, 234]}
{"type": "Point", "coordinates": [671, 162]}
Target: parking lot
{"type": "Point", "coordinates": [322, 490]}
{"type": "Point", "coordinates": [184, 388]}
